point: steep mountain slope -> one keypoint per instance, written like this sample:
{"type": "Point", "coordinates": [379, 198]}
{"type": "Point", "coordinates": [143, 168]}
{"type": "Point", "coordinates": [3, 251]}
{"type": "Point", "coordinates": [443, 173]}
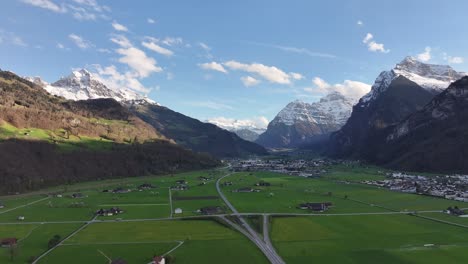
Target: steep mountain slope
{"type": "Point", "coordinates": [25, 105]}
{"type": "Point", "coordinates": [302, 123]}
{"type": "Point", "coordinates": [82, 85]}
{"type": "Point", "coordinates": [395, 95]}
{"type": "Point", "coordinates": [434, 138]}
{"type": "Point", "coordinates": [66, 141]}
{"type": "Point", "coordinates": [246, 134]}
{"type": "Point", "coordinates": [193, 134]}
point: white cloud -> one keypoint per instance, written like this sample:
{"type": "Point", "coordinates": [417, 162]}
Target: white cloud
{"type": "Point", "coordinates": [113, 79]}
{"type": "Point", "coordinates": [453, 60]}
{"type": "Point", "coordinates": [119, 27]}
{"type": "Point", "coordinates": [135, 58]}
{"type": "Point", "coordinates": [12, 38]}
{"type": "Point", "coordinates": [46, 4]}
{"type": "Point", "coordinates": [170, 41]}
{"type": "Point", "coordinates": [249, 81]}
{"type": "Point", "coordinates": [425, 56]}
{"type": "Point", "coordinates": [79, 9]}
{"type": "Point", "coordinates": [214, 66]}
{"type": "Point", "coordinates": [80, 42]}
{"type": "Point", "coordinates": [296, 50]}
{"type": "Point", "coordinates": [102, 50]}
{"type": "Point", "coordinates": [360, 23]}
{"type": "Point", "coordinates": [82, 14]}
{"type": "Point", "coordinates": [60, 46]}
{"type": "Point", "coordinates": [351, 89]}
{"type": "Point", "coordinates": [269, 73]}
{"type": "Point", "coordinates": [296, 76]}
{"type": "Point", "coordinates": [367, 38]}
{"type": "Point", "coordinates": [156, 48]}
{"type": "Point", "coordinates": [206, 49]}
{"type": "Point", "coordinates": [150, 21]}
{"type": "Point", "coordinates": [204, 46]}
{"type": "Point", "coordinates": [374, 46]}
{"type": "Point", "coordinates": [254, 123]}
{"type": "Point", "coordinates": [211, 105]}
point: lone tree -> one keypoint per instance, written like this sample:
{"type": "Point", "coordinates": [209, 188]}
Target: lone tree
{"type": "Point", "coordinates": [54, 241]}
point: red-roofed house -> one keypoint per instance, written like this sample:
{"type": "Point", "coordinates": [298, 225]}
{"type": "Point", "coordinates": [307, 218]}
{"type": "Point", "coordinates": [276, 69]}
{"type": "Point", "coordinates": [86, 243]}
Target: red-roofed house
{"type": "Point", "coordinates": [159, 260]}
{"type": "Point", "coordinates": [8, 242]}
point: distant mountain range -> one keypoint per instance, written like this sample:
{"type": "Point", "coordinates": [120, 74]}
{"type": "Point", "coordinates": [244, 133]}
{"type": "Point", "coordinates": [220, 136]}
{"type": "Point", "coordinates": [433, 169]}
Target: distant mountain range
{"type": "Point", "coordinates": [301, 123]}
{"type": "Point", "coordinates": [186, 131]}
{"type": "Point", "coordinates": [83, 85]}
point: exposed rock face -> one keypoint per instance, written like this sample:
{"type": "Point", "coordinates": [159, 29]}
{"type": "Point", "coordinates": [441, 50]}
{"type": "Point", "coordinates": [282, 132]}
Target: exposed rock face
{"type": "Point", "coordinates": [394, 96]}
{"type": "Point", "coordinates": [434, 138]}
{"type": "Point", "coordinates": [300, 123]}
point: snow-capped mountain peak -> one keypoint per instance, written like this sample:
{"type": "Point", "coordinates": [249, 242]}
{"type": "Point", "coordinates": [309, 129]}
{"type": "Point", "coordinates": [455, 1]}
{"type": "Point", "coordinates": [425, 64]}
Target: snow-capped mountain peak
{"type": "Point", "coordinates": [432, 77]}
{"type": "Point", "coordinates": [332, 108]}
{"type": "Point", "coordinates": [82, 85]}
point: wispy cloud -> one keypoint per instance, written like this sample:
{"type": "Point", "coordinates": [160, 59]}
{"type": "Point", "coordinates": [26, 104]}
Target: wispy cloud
{"type": "Point", "coordinates": [152, 45]}
{"type": "Point", "coordinates": [297, 50]}
{"type": "Point", "coordinates": [211, 105]}
{"type": "Point", "coordinates": [214, 66]}
{"type": "Point", "coordinates": [83, 10]}
{"type": "Point", "coordinates": [119, 27]}
{"type": "Point", "coordinates": [46, 4]}
{"type": "Point", "coordinates": [453, 59]}
{"type": "Point", "coordinates": [249, 81]}
{"type": "Point", "coordinates": [80, 42]}
{"type": "Point", "coordinates": [150, 21]}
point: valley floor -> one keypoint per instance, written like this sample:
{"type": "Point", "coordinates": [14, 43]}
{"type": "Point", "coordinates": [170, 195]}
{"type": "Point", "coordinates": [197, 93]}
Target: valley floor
{"type": "Point", "coordinates": [364, 224]}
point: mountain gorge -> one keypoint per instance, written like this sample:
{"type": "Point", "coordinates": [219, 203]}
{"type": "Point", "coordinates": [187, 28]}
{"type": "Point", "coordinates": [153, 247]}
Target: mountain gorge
{"type": "Point", "coordinates": [301, 123]}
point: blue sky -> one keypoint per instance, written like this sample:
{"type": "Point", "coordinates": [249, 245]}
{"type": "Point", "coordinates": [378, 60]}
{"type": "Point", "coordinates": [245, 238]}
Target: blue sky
{"type": "Point", "coordinates": [232, 59]}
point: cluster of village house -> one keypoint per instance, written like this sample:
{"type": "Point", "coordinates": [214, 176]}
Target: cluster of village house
{"type": "Point", "coordinates": [453, 187]}
{"type": "Point", "coordinates": [303, 168]}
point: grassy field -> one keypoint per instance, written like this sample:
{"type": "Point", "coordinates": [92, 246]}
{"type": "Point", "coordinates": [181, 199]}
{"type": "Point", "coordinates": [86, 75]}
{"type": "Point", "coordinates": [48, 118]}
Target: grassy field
{"type": "Point", "coordinates": [33, 239]}
{"type": "Point", "coordinates": [368, 239]}
{"type": "Point", "coordinates": [286, 192]}
{"type": "Point", "coordinates": [137, 243]}
{"type": "Point", "coordinates": [144, 229]}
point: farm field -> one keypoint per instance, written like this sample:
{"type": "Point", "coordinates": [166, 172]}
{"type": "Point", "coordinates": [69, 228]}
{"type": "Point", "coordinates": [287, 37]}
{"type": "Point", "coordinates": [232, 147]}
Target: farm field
{"type": "Point", "coordinates": [368, 239]}
{"type": "Point", "coordinates": [138, 243]}
{"type": "Point", "coordinates": [351, 231]}
{"type": "Point", "coordinates": [287, 192]}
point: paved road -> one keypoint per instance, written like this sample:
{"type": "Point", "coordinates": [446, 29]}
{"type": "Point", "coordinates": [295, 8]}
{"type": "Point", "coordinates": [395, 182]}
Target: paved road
{"type": "Point", "coordinates": [266, 248]}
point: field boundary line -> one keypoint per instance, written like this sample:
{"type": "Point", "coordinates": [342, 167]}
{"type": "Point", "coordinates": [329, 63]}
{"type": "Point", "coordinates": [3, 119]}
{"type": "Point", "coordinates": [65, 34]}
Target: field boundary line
{"type": "Point", "coordinates": [102, 253]}
{"type": "Point", "coordinates": [123, 205]}
{"type": "Point", "coordinates": [173, 249]}
{"type": "Point", "coordinates": [119, 243]}
{"type": "Point", "coordinates": [170, 202]}
{"type": "Point", "coordinates": [28, 234]}
{"type": "Point", "coordinates": [65, 239]}
{"type": "Point", "coordinates": [440, 221]}
{"type": "Point", "coordinates": [24, 205]}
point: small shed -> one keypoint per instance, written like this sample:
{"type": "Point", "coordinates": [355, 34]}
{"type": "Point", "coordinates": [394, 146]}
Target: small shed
{"type": "Point", "coordinates": [177, 211]}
